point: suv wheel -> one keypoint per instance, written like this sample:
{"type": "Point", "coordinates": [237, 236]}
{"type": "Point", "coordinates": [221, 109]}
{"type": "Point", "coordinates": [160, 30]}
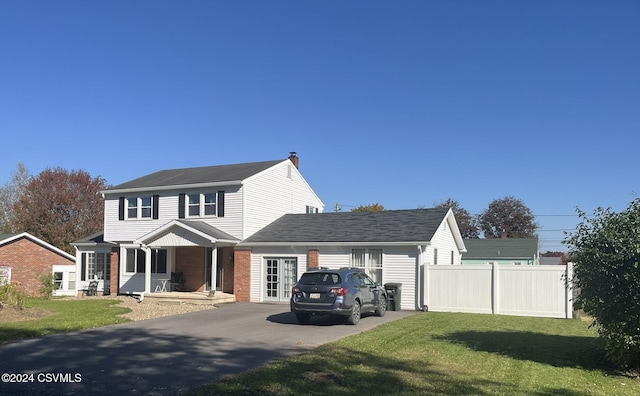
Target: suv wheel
{"type": "Point", "coordinates": [354, 318]}
{"type": "Point", "coordinates": [303, 318]}
{"type": "Point", "coordinates": [382, 307]}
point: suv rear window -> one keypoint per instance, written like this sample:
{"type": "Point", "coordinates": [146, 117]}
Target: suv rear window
{"type": "Point", "coordinates": [320, 278]}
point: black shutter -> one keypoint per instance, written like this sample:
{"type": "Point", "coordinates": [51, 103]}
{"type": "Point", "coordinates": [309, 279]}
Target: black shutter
{"type": "Point", "coordinates": [181, 206]}
{"type": "Point", "coordinates": [154, 209]}
{"type": "Point", "coordinates": [83, 267]}
{"type": "Point", "coordinates": [121, 209]}
{"type": "Point", "coordinates": [220, 205]}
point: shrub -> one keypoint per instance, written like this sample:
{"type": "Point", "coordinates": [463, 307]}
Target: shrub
{"type": "Point", "coordinates": [10, 294]}
{"type": "Point", "coordinates": [606, 253]}
{"type": "Point", "coordinates": [48, 285]}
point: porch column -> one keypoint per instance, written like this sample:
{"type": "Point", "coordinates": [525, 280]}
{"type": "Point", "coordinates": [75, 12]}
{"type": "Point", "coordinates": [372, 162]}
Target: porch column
{"type": "Point", "coordinates": [214, 268]}
{"type": "Point", "coordinates": [147, 269]}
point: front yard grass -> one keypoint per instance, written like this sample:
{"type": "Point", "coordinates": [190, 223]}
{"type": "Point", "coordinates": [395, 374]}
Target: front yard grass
{"type": "Point", "coordinates": [445, 354]}
{"type": "Point", "coordinates": [66, 315]}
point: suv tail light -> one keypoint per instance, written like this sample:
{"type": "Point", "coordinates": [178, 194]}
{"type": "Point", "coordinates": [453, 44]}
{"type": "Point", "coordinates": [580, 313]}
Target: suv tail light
{"type": "Point", "coordinates": [338, 291]}
{"type": "Point", "coordinates": [295, 290]}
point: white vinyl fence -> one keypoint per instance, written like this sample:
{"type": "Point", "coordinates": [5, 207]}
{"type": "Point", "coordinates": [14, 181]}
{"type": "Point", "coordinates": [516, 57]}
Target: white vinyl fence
{"type": "Point", "coordinates": [532, 290]}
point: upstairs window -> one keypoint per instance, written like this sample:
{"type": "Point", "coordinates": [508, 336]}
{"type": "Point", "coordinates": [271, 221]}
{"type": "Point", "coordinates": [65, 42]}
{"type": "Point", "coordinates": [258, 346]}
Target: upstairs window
{"type": "Point", "coordinates": [144, 207]}
{"type": "Point", "coordinates": [210, 204]}
{"type": "Point", "coordinates": [194, 205]}
{"type": "Point", "coordinates": [312, 209]}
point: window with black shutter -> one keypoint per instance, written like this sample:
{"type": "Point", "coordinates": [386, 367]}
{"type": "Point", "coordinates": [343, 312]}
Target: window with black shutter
{"type": "Point", "coordinates": [220, 203]}
{"type": "Point", "coordinates": [181, 206]}
{"type": "Point", "coordinates": [120, 209]}
{"type": "Point", "coordinates": [156, 198]}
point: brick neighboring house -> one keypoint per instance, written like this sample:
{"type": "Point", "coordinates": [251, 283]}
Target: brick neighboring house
{"type": "Point", "coordinates": [23, 258]}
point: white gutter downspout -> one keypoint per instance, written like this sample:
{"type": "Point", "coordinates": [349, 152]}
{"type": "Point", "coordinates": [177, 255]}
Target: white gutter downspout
{"type": "Point", "coordinates": [419, 279]}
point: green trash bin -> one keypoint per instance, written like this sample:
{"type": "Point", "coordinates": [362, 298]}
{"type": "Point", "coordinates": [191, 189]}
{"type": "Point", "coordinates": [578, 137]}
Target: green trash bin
{"type": "Point", "coordinates": [394, 296]}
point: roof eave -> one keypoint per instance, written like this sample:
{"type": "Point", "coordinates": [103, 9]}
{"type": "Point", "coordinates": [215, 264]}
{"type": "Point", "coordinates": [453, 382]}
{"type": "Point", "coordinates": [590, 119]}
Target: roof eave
{"type": "Point", "coordinates": [90, 244]}
{"type": "Point", "coordinates": [334, 243]}
{"type": "Point", "coordinates": [172, 187]}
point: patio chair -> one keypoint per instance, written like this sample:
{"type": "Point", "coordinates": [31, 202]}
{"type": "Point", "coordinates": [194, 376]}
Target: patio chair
{"type": "Point", "coordinates": [92, 289]}
{"type": "Point", "coordinates": [177, 281]}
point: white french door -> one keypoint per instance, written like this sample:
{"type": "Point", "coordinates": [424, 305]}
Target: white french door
{"type": "Point", "coordinates": [281, 274]}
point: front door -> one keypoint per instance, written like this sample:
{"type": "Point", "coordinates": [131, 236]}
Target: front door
{"type": "Point", "coordinates": [280, 276]}
{"type": "Point", "coordinates": [207, 269]}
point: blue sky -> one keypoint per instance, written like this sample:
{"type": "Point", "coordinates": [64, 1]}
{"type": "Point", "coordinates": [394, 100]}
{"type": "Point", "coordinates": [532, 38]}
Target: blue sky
{"type": "Point", "coordinates": [401, 103]}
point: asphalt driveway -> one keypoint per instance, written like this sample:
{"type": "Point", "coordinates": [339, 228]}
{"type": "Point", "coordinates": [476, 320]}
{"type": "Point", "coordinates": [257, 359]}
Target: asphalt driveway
{"type": "Point", "coordinates": [167, 355]}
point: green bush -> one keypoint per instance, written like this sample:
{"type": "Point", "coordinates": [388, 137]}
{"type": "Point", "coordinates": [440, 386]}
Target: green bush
{"type": "Point", "coordinates": [48, 285]}
{"type": "Point", "coordinates": [10, 294]}
{"type": "Point", "coordinates": [606, 253]}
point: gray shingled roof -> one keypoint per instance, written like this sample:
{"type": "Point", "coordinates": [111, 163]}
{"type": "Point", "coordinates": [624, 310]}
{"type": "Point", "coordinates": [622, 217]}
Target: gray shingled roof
{"type": "Point", "coordinates": [6, 236]}
{"type": "Point", "coordinates": [91, 240]}
{"type": "Point", "coordinates": [208, 229]}
{"type": "Point", "coordinates": [205, 174]}
{"type": "Point", "coordinates": [496, 248]}
{"type": "Point", "coordinates": [418, 225]}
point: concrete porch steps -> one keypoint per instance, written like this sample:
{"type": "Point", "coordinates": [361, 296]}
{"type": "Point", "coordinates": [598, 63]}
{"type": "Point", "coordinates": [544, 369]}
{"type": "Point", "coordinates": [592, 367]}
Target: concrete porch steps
{"type": "Point", "coordinates": [191, 298]}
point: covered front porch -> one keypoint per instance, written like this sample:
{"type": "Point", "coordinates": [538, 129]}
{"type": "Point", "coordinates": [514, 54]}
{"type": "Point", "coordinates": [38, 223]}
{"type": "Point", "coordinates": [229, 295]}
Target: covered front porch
{"type": "Point", "coordinates": [180, 257]}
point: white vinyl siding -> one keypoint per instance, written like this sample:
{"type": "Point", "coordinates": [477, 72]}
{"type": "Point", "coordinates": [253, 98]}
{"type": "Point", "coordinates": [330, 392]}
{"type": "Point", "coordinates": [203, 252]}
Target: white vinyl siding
{"type": "Point", "coordinates": [445, 244]}
{"type": "Point", "coordinates": [258, 277]}
{"type": "Point", "coordinates": [399, 265]}
{"type": "Point", "coordinates": [262, 199]}
{"type": "Point", "coordinates": [271, 194]}
{"type": "Point", "coordinates": [133, 282]}
{"type": "Point", "coordinates": [127, 231]}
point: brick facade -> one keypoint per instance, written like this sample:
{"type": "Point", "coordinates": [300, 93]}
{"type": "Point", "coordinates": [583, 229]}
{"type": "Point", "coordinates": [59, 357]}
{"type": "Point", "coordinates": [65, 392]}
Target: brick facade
{"type": "Point", "coordinates": [313, 258]}
{"type": "Point", "coordinates": [28, 260]}
{"type": "Point", "coordinates": [114, 287]}
{"type": "Point", "coordinates": [191, 262]}
{"type": "Point", "coordinates": [242, 275]}
{"type": "Point", "coordinates": [227, 270]}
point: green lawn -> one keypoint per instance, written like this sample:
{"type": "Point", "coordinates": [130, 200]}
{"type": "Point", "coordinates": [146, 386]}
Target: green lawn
{"type": "Point", "coordinates": [445, 354]}
{"type": "Point", "coordinates": [67, 315]}
{"type": "Point", "coordinates": [427, 353]}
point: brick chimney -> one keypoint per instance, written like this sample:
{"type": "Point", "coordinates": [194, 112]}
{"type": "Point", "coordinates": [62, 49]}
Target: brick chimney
{"type": "Point", "coordinates": [293, 156]}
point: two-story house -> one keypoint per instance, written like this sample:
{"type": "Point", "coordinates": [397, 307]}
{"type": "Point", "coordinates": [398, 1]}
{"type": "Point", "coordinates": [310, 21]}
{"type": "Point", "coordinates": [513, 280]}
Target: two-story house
{"type": "Point", "coordinates": [251, 230]}
{"type": "Point", "coordinates": [186, 222]}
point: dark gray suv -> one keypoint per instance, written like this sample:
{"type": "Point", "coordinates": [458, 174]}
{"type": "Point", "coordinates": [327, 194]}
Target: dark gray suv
{"type": "Point", "coordinates": [347, 292]}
